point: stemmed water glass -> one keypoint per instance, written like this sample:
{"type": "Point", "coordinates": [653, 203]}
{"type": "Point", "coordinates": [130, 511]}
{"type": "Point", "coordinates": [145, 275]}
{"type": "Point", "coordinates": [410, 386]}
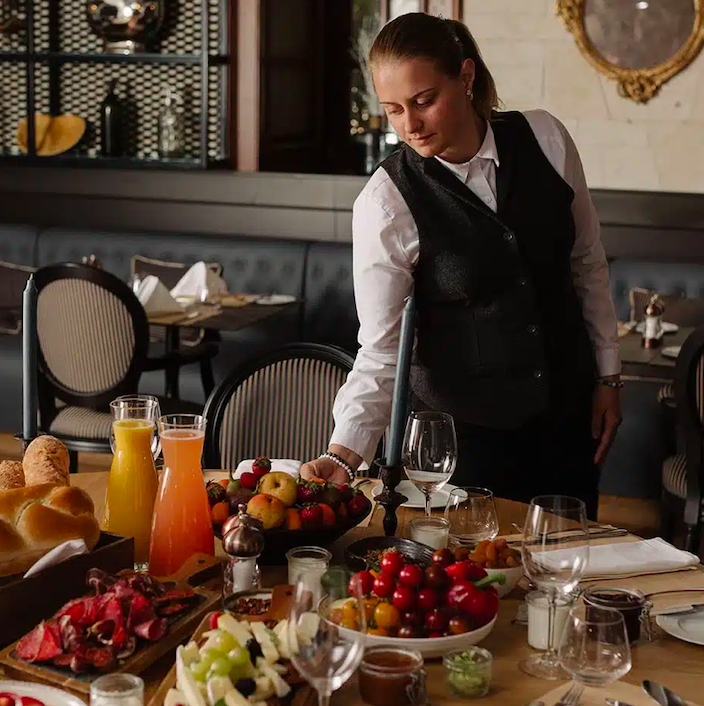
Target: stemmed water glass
{"type": "Point", "coordinates": [137, 407]}
{"type": "Point", "coordinates": [472, 516]}
{"type": "Point", "coordinates": [429, 452]}
{"type": "Point", "coordinates": [553, 572]}
{"type": "Point", "coordinates": [594, 647]}
{"type": "Point", "coordinates": [330, 646]}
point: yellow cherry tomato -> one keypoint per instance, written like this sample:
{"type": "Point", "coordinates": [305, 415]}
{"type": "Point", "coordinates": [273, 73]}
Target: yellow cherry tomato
{"type": "Point", "coordinates": [386, 616]}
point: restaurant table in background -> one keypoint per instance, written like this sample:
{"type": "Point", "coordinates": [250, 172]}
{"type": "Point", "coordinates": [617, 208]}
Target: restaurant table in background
{"type": "Point", "coordinates": [667, 661]}
{"type": "Point", "coordinates": [650, 364]}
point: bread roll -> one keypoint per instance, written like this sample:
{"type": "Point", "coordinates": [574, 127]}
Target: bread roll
{"type": "Point", "coordinates": [46, 461]}
{"type": "Point", "coordinates": [35, 519]}
{"type": "Point", "coordinates": [11, 475]}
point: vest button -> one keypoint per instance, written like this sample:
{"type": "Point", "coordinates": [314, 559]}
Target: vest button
{"type": "Point", "coordinates": [508, 236]}
{"type": "Point", "coordinates": [532, 328]}
{"type": "Point", "coordinates": [537, 374]}
{"type": "Point", "coordinates": [522, 281]}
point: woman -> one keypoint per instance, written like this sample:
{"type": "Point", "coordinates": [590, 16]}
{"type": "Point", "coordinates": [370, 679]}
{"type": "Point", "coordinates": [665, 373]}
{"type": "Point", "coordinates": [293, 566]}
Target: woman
{"type": "Point", "coordinates": [485, 216]}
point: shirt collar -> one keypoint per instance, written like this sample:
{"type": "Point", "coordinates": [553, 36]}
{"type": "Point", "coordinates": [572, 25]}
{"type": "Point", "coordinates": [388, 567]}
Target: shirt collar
{"type": "Point", "coordinates": [486, 151]}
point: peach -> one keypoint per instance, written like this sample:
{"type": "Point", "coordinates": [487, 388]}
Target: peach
{"type": "Point", "coordinates": [270, 510]}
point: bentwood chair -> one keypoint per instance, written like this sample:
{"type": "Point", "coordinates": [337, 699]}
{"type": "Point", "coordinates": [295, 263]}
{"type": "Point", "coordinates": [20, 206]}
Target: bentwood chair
{"type": "Point", "coordinates": [93, 346]}
{"type": "Point", "coordinates": [278, 405]}
{"type": "Point", "coordinates": [683, 474]}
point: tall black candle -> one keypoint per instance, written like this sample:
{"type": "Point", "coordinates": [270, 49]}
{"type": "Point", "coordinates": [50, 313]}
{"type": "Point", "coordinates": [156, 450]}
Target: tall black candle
{"type": "Point", "coordinates": [29, 360]}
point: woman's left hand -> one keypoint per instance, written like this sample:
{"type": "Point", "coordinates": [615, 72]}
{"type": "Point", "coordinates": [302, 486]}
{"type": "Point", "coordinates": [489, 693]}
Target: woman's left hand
{"type": "Point", "coordinates": [606, 418]}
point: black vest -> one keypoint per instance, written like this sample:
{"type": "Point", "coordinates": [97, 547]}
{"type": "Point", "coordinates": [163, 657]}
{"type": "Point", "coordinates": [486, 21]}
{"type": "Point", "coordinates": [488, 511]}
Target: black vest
{"type": "Point", "coordinates": [501, 335]}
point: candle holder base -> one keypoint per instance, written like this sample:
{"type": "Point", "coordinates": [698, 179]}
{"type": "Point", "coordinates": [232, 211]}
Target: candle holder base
{"type": "Point", "coordinates": [389, 499]}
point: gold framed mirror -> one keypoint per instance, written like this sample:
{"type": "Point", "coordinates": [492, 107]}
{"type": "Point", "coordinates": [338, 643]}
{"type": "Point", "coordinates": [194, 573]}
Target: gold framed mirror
{"type": "Point", "coordinates": [640, 44]}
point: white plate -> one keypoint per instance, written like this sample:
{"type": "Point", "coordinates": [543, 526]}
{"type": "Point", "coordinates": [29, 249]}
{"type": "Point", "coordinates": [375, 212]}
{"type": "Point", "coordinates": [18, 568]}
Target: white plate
{"type": "Point", "coordinates": [49, 695]}
{"type": "Point", "coordinates": [432, 646]}
{"type": "Point", "coordinates": [689, 628]}
{"type": "Point", "coordinates": [416, 498]}
{"type": "Point", "coordinates": [275, 299]}
{"type": "Point", "coordinates": [671, 351]}
{"type": "Point", "coordinates": [666, 327]}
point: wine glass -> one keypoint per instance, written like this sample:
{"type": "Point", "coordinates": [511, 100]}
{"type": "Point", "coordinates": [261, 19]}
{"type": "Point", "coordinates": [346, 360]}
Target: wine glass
{"type": "Point", "coordinates": [553, 572]}
{"type": "Point", "coordinates": [137, 407]}
{"type": "Point", "coordinates": [472, 516]}
{"type": "Point", "coordinates": [328, 625]}
{"type": "Point", "coordinates": [595, 648]}
{"type": "Point", "coordinates": [429, 452]}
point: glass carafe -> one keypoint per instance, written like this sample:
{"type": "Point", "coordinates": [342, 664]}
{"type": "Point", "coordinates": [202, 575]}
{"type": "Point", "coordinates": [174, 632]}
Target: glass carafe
{"type": "Point", "coordinates": [182, 523]}
{"type": "Point", "coordinates": [132, 483]}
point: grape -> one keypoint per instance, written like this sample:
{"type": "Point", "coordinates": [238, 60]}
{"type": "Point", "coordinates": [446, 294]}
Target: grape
{"type": "Point", "coordinates": [210, 656]}
{"type": "Point", "coordinates": [200, 670]}
{"type": "Point", "coordinates": [239, 657]}
{"type": "Point", "coordinates": [224, 642]}
{"type": "Point", "coordinates": [220, 668]}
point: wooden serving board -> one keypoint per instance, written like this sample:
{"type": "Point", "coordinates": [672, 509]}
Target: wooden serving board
{"type": "Point", "coordinates": [304, 695]}
{"type": "Point", "coordinates": [201, 571]}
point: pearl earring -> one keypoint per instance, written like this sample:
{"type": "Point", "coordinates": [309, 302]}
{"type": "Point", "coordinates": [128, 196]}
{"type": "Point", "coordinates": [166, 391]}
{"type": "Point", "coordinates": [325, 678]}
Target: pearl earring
{"type": "Point", "coordinates": [469, 92]}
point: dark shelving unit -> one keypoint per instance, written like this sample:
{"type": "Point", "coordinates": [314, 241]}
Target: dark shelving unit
{"type": "Point", "coordinates": [45, 69]}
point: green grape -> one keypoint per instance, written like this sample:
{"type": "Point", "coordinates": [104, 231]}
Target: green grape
{"type": "Point", "coordinates": [240, 672]}
{"type": "Point", "coordinates": [200, 670]}
{"type": "Point", "coordinates": [224, 642]}
{"type": "Point", "coordinates": [210, 656]}
{"type": "Point", "coordinates": [239, 657]}
{"type": "Point", "coordinates": [220, 668]}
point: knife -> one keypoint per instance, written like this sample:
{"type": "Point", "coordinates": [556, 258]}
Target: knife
{"type": "Point", "coordinates": [662, 694]}
{"type": "Point", "coordinates": [576, 537]}
{"type": "Point", "coordinates": [679, 610]}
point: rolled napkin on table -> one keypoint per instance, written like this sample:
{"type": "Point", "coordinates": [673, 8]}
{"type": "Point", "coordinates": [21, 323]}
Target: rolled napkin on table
{"type": "Point", "coordinates": [199, 279]}
{"type": "Point", "coordinates": [156, 298]}
{"type": "Point", "coordinates": [285, 465]}
{"type": "Point", "coordinates": [649, 556]}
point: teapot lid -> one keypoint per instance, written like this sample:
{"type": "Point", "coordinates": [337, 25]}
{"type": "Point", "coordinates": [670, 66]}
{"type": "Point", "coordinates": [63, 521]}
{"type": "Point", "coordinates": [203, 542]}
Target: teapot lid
{"type": "Point", "coordinates": [243, 535]}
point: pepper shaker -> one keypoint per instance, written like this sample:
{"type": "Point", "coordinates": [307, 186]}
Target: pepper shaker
{"type": "Point", "coordinates": [652, 326]}
{"type": "Point", "coordinates": [243, 542]}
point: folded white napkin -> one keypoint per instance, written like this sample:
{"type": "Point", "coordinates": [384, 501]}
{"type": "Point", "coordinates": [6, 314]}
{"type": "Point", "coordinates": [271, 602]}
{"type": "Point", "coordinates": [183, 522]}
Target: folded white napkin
{"type": "Point", "coordinates": [155, 297]}
{"type": "Point", "coordinates": [286, 465]}
{"type": "Point", "coordinates": [199, 279]}
{"type": "Point", "coordinates": [64, 551]}
{"type": "Point", "coordinates": [641, 557]}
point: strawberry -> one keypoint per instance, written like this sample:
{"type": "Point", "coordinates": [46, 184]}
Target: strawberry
{"type": "Point", "coordinates": [358, 505]}
{"type": "Point", "coordinates": [261, 466]}
{"type": "Point", "coordinates": [311, 516]}
{"type": "Point", "coordinates": [342, 514]}
{"type": "Point", "coordinates": [328, 514]}
{"type": "Point", "coordinates": [307, 492]}
{"type": "Point", "coordinates": [345, 492]}
{"type": "Point", "coordinates": [248, 481]}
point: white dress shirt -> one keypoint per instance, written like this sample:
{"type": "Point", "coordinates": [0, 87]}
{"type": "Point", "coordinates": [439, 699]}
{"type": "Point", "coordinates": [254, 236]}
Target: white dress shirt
{"type": "Point", "coordinates": [385, 253]}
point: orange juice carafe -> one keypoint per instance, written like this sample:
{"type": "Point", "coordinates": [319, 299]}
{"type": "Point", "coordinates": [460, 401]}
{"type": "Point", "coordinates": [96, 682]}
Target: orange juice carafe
{"type": "Point", "coordinates": [182, 523]}
{"type": "Point", "coordinates": [132, 483]}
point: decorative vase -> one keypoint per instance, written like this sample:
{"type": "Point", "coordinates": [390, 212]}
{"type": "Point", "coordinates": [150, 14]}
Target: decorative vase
{"type": "Point", "coordinates": [125, 26]}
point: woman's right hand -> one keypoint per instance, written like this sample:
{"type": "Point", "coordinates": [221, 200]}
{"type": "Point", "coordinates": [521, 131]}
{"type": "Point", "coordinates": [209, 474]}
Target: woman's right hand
{"type": "Point", "coordinates": [326, 469]}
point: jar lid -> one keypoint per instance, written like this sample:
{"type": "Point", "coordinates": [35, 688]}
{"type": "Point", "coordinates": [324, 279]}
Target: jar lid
{"type": "Point", "coordinates": [620, 598]}
{"type": "Point", "coordinates": [391, 661]}
{"type": "Point", "coordinates": [243, 535]}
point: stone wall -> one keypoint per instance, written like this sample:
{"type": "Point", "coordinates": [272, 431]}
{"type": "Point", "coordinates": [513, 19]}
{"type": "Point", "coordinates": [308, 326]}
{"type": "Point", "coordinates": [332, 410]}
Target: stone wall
{"type": "Point", "coordinates": [654, 147]}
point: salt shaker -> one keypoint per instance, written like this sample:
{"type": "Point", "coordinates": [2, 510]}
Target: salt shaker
{"type": "Point", "coordinates": [652, 326]}
{"type": "Point", "coordinates": [243, 541]}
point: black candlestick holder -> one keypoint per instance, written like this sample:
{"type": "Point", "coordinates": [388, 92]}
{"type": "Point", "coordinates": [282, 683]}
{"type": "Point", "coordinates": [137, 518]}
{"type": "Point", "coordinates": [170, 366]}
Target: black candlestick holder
{"type": "Point", "coordinates": [389, 498]}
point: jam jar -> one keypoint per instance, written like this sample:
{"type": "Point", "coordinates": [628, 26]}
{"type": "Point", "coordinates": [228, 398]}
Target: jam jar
{"type": "Point", "coordinates": [630, 602]}
{"type": "Point", "coordinates": [392, 676]}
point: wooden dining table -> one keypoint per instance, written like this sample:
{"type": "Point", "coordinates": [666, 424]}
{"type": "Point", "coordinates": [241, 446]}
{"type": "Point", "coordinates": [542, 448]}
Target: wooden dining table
{"type": "Point", "coordinates": [666, 660]}
{"type": "Point", "coordinates": [649, 363]}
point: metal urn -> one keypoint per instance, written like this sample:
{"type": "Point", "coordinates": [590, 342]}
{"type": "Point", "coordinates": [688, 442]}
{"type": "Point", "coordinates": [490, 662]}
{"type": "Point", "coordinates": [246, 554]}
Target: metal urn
{"type": "Point", "coordinates": [126, 26]}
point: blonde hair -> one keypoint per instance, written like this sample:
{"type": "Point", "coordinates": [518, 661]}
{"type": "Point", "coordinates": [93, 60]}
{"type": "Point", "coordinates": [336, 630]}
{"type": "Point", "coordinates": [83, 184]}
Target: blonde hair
{"type": "Point", "coordinates": [447, 43]}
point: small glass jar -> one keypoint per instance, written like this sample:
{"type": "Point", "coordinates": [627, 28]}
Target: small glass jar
{"type": "Point", "coordinates": [468, 672]}
{"type": "Point", "coordinates": [630, 602]}
{"type": "Point", "coordinates": [117, 690]}
{"type": "Point", "coordinates": [537, 603]}
{"type": "Point", "coordinates": [307, 565]}
{"type": "Point", "coordinates": [431, 531]}
{"type": "Point", "coordinates": [392, 676]}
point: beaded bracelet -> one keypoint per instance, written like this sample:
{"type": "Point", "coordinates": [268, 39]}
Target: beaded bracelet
{"type": "Point", "coordinates": [340, 462]}
{"type": "Point", "coordinates": [616, 384]}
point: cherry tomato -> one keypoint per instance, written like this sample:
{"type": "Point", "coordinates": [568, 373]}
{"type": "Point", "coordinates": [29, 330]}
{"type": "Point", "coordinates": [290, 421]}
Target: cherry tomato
{"type": "Point", "coordinates": [213, 619]}
{"type": "Point", "coordinates": [435, 576]}
{"type": "Point", "coordinates": [442, 557]}
{"type": "Point", "coordinates": [392, 563]}
{"type": "Point", "coordinates": [412, 617]}
{"type": "Point", "coordinates": [382, 632]}
{"type": "Point", "coordinates": [365, 581]}
{"type": "Point", "coordinates": [404, 598]}
{"type": "Point", "coordinates": [436, 620]}
{"type": "Point", "coordinates": [435, 633]}
{"type": "Point", "coordinates": [427, 599]}
{"type": "Point", "coordinates": [411, 575]}
{"type": "Point", "coordinates": [458, 625]}
{"type": "Point", "coordinates": [465, 571]}
{"type": "Point", "coordinates": [369, 606]}
{"type": "Point", "coordinates": [384, 586]}
{"type": "Point", "coordinates": [386, 616]}
{"type": "Point", "coordinates": [407, 631]}
{"type": "Point", "coordinates": [350, 611]}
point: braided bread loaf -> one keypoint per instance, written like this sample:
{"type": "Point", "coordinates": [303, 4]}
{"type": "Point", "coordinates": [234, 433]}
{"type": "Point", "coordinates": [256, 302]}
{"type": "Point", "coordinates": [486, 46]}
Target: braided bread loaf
{"type": "Point", "coordinates": [35, 519]}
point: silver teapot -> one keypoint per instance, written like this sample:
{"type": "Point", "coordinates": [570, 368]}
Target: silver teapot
{"type": "Point", "coordinates": [125, 26]}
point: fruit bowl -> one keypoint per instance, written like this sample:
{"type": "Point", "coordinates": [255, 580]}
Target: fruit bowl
{"type": "Point", "coordinates": [431, 646]}
{"type": "Point", "coordinates": [355, 552]}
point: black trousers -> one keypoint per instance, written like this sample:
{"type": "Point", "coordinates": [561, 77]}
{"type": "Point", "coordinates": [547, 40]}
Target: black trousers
{"type": "Point", "coordinates": [551, 454]}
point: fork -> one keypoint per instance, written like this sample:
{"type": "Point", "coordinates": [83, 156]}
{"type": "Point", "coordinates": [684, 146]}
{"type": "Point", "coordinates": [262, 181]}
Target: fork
{"type": "Point", "coordinates": [572, 696]}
